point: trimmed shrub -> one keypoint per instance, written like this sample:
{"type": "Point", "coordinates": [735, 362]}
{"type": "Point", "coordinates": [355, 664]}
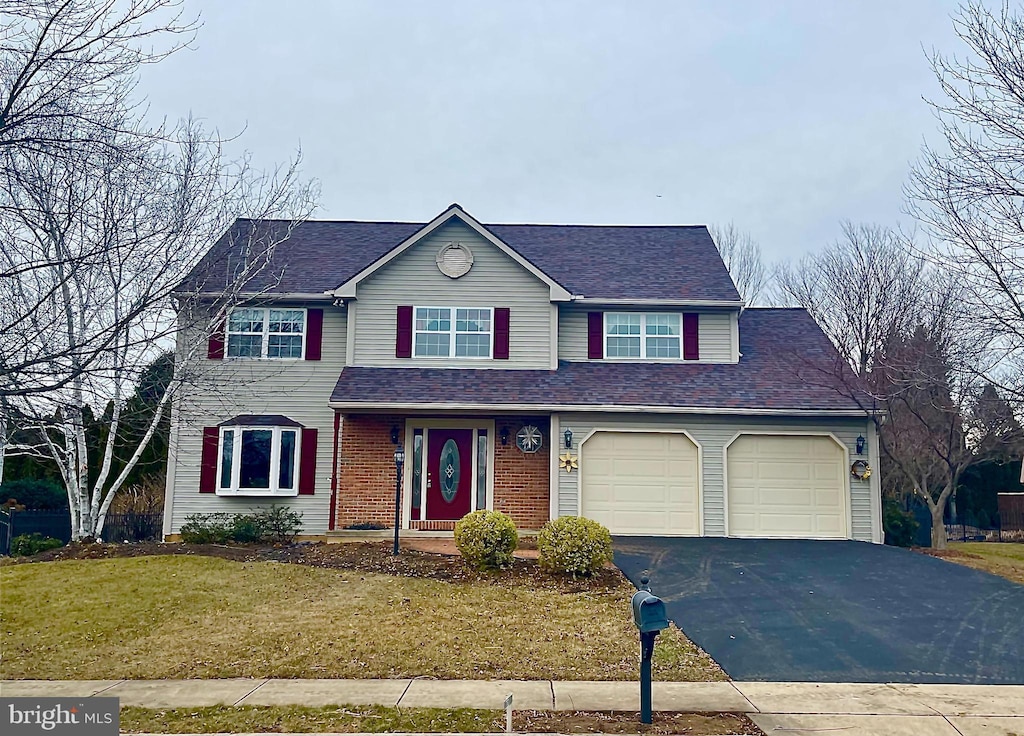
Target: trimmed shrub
{"type": "Point", "coordinates": [42, 495]}
{"type": "Point", "coordinates": [486, 539]}
{"type": "Point", "coordinates": [278, 524]}
{"type": "Point", "coordinates": [246, 528]}
{"type": "Point", "coordinates": [274, 524]}
{"type": "Point", "coordinates": [26, 545]}
{"type": "Point", "coordinates": [900, 526]}
{"type": "Point", "coordinates": [207, 529]}
{"type": "Point", "coordinates": [574, 546]}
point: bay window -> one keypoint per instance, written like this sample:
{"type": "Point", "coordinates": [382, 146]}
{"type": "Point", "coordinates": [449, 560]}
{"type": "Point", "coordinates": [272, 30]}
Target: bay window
{"type": "Point", "coordinates": [258, 461]}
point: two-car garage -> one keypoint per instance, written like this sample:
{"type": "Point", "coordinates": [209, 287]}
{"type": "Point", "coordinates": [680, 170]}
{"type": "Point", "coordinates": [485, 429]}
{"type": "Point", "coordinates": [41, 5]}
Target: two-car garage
{"type": "Point", "coordinates": [776, 485]}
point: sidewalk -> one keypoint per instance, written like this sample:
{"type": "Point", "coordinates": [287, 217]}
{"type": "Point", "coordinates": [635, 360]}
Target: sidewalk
{"type": "Point", "coordinates": [790, 707]}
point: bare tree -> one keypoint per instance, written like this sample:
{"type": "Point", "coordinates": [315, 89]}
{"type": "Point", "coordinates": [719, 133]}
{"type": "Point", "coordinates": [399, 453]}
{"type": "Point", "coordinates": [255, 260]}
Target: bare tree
{"type": "Point", "coordinates": [120, 227]}
{"type": "Point", "coordinates": [861, 290]}
{"type": "Point", "coordinates": [68, 68]}
{"type": "Point", "coordinates": [67, 73]}
{"type": "Point", "coordinates": [742, 256]}
{"type": "Point", "coordinates": [969, 191]}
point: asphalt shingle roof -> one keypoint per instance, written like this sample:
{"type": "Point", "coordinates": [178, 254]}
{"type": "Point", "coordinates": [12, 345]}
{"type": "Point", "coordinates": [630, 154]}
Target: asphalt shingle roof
{"type": "Point", "coordinates": [787, 364]}
{"type": "Point", "coordinates": [596, 261]}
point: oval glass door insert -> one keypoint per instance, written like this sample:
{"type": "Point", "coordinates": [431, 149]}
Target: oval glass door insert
{"type": "Point", "coordinates": [449, 470]}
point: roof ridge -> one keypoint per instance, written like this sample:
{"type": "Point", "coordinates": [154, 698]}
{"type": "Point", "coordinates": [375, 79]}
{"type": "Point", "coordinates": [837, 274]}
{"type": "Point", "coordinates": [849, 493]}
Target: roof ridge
{"type": "Point", "coordinates": [485, 224]}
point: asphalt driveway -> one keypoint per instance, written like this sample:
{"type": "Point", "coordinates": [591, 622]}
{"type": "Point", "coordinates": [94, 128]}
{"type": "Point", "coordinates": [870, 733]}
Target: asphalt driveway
{"type": "Point", "coordinates": [834, 611]}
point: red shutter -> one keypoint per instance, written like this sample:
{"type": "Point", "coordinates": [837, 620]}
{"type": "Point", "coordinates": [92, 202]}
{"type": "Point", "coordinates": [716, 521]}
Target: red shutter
{"type": "Point", "coordinates": [208, 462]}
{"type": "Point", "coordinates": [691, 337]}
{"type": "Point", "coordinates": [595, 335]}
{"type": "Point", "coordinates": [307, 463]}
{"type": "Point", "coordinates": [403, 335]}
{"type": "Point", "coordinates": [215, 348]}
{"type": "Point", "coordinates": [314, 333]}
{"type": "Point", "coordinates": [501, 333]}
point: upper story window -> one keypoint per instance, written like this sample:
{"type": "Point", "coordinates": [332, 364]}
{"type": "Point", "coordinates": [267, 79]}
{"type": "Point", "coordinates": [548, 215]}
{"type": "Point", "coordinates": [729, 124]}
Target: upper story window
{"type": "Point", "coordinates": [453, 332]}
{"type": "Point", "coordinates": [266, 333]}
{"type": "Point", "coordinates": [258, 461]}
{"type": "Point", "coordinates": [640, 335]}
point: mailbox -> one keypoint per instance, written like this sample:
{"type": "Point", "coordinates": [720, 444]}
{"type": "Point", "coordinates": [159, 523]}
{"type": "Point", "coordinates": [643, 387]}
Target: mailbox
{"type": "Point", "coordinates": [649, 612]}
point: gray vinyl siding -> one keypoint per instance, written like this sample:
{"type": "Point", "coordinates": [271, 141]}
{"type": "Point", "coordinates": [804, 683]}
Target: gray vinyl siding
{"type": "Point", "coordinates": [715, 332]}
{"type": "Point", "coordinates": [712, 433]}
{"type": "Point", "coordinates": [298, 389]}
{"type": "Point", "coordinates": [495, 280]}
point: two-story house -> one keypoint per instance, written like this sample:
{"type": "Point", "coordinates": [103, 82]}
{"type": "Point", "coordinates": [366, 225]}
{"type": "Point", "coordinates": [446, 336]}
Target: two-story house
{"type": "Point", "coordinates": [540, 370]}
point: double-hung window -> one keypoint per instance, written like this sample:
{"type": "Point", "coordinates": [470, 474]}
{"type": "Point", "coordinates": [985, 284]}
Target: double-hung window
{"type": "Point", "coordinates": [639, 335]}
{"type": "Point", "coordinates": [266, 333]}
{"type": "Point", "coordinates": [453, 332]}
{"type": "Point", "coordinates": [258, 461]}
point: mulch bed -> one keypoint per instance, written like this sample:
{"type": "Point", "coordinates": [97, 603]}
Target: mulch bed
{"type": "Point", "coordinates": [372, 557]}
{"type": "Point", "coordinates": [945, 553]}
{"type": "Point", "coordinates": [698, 724]}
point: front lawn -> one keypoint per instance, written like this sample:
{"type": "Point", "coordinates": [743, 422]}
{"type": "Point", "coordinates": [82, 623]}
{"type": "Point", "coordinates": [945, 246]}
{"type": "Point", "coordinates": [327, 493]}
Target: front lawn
{"type": "Point", "coordinates": [377, 719]}
{"type": "Point", "coordinates": [999, 558]}
{"type": "Point", "coordinates": [192, 616]}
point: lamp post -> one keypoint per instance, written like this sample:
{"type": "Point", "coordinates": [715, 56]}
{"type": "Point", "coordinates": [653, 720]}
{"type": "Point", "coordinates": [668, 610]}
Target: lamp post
{"type": "Point", "coordinates": [399, 462]}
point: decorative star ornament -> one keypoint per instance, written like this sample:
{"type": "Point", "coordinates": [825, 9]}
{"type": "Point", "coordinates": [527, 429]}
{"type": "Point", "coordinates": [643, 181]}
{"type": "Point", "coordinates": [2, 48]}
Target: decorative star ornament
{"type": "Point", "coordinates": [568, 462]}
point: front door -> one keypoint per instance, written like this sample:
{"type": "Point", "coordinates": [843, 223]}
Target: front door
{"type": "Point", "coordinates": [449, 473]}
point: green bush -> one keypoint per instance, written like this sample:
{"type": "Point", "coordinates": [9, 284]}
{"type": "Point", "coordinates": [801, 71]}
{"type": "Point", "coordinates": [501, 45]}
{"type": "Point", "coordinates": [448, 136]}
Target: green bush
{"type": "Point", "coordinates": [574, 546]}
{"type": "Point", "coordinates": [26, 545]}
{"type": "Point", "coordinates": [35, 494]}
{"type": "Point", "coordinates": [207, 529]}
{"type": "Point", "coordinates": [274, 524]}
{"type": "Point", "coordinates": [246, 528]}
{"type": "Point", "coordinates": [486, 539]}
{"type": "Point", "coordinates": [899, 525]}
{"type": "Point", "coordinates": [279, 524]}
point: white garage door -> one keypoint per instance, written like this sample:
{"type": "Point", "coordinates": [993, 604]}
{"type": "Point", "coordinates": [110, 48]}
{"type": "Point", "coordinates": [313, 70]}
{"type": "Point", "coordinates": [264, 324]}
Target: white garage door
{"type": "Point", "coordinates": [787, 486]}
{"type": "Point", "coordinates": [641, 482]}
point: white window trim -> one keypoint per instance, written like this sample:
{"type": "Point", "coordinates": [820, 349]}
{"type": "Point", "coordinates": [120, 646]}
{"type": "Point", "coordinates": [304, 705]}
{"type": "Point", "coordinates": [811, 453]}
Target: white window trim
{"type": "Point", "coordinates": [265, 340]}
{"type": "Point", "coordinates": [275, 461]}
{"type": "Point", "coordinates": [452, 333]}
{"type": "Point", "coordinates": [643, 338]}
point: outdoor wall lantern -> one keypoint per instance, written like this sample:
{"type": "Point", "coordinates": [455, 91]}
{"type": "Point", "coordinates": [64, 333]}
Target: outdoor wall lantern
{"type": "Point", "coordinates": [504, 435]}
{"type": "Point", "coordinates": [568, 438]}
{"type": "Point", "coordinates": [860, 445]}
{"type": "Point", "coordinates": [399, 462]}
{"type": "Point", "coordinates": [394, 435]}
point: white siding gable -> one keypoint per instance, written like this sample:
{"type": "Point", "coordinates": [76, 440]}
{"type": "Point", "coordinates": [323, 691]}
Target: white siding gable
{"type": "Point", "coordinates": [413, 278]}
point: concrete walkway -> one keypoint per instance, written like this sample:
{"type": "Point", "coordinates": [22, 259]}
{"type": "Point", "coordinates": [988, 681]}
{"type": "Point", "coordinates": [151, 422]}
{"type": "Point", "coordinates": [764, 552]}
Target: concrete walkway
{"type": "Point", "coordinates": [777, 707]}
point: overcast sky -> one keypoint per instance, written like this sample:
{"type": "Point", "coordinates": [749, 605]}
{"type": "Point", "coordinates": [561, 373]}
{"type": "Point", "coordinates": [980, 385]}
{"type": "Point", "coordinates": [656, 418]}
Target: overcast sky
{"type": "Point", "coordinates": [783, 117]}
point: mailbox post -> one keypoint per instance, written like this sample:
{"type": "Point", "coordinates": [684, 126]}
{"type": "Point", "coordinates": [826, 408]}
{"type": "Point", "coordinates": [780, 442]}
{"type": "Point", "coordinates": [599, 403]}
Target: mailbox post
{"type": "Point", "coordinates": [650, 618]}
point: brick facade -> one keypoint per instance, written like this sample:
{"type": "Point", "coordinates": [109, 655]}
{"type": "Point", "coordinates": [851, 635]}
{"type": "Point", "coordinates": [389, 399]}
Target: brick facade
{"type": "Point", "coordinates": [366, 488]}
{"type": "Point", "coordinates": [522, 482]}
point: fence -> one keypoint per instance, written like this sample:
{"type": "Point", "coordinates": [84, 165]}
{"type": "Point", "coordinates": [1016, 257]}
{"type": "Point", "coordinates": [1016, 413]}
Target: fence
{"type": "Point", "coordinates": [116, 528]}
{"type": "Point", "coordinates": [1007, 525]}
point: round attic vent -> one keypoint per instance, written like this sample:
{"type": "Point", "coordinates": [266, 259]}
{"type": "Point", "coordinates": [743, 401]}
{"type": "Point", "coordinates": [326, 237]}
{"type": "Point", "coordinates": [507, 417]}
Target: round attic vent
{"type": "Point", "coordinates": [454, 260]}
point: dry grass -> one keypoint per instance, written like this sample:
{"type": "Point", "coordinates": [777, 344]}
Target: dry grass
{"type": "Point", "coordinates": [378, 719]}
{"type": "Point", "coordinates": [999, 558]}
{"type": "Point", "coordinates": [202, 617]}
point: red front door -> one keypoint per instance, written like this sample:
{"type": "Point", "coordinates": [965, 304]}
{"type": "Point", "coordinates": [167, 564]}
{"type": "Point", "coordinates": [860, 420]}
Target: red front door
{"type": "Point", "coordinates": [449, 473]}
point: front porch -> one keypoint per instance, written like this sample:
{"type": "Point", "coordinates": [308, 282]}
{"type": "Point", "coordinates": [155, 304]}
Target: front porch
{"type": "Point", "coordinates": [454, 465]}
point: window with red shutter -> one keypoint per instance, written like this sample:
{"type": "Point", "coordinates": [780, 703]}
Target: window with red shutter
{"type": "Point", "coordinates": [501, 333]}
{"type": "Point", "coordinates": [691, 337]}
{"type": "Point", "coordinates": [307, 465]}
{"type": "Point", "coordinates": [314, 333]}
{"type": "Point", "coordinates": [403, 332]}
{"type": "Point", "coordinates": [595, 335]}
{"type": "Point", "coordinates": [208, 461]}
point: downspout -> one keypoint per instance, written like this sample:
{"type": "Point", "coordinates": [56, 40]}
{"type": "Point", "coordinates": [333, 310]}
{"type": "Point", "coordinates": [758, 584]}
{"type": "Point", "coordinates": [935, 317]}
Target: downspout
{"type": "Point", "coordinates": [334, 472]}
